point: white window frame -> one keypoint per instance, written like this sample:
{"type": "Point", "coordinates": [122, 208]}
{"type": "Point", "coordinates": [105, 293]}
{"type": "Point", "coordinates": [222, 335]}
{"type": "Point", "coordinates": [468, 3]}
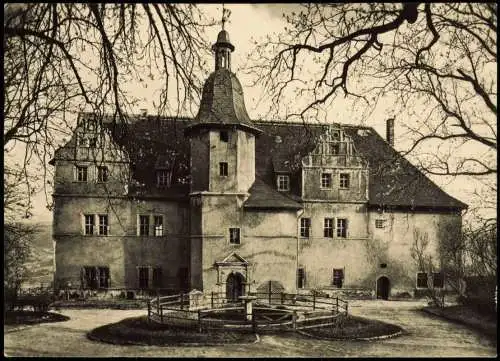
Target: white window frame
{"type": "Point", "coordinates": [100, 225]}
{"type": "Point", "coordinates": [283, 182]}
{"type": "Point", "coordinates": [161, 177]}
{"type": "Point", "coordinates": [139, 225]}
{"type": "Point", "coordinates": [332, 227]}
{"type": "Point", "coordinates": [158, 231]}
{"type": "Point", "coordinates": [85, 224]}
{"type": "Point", "coordinates": [341, 185]}
{"type": "Point", "coordinates": [330, 179]}
{"type": "Point", "coordinates": [77, 173]}
{"type": "Point", "coordinates": [340, 228]}
{"type": "Point", "coordinates": [304, 227]}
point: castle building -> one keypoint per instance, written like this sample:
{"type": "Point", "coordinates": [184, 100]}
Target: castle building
{"type": "Point", "coordinates": [224, 203]}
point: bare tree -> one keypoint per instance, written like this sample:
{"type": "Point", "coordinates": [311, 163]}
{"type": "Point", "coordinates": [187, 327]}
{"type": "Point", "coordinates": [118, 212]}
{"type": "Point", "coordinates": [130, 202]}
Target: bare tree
{"type": "Point", "coordinates": [436, 60]}
{"type": "Point", "coordinates": [62, 58]}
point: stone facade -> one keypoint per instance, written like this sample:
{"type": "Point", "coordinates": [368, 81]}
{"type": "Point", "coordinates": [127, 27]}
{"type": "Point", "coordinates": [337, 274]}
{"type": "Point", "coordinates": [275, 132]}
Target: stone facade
{"type": "Point", "coordinates": [237, 206]}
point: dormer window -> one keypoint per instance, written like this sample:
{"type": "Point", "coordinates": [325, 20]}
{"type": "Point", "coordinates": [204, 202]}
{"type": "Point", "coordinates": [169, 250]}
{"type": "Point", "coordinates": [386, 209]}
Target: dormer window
{"type": "Point", "coordinates": [92, 142]}
{"type": "Point", "coordinates": [334, 148]}
{"type": "Point", "coordinates": [224, 136]}
{"type": "Point", "coordinates": [162, 178]}
{"type": "Point", "coordinates": [283, 183]}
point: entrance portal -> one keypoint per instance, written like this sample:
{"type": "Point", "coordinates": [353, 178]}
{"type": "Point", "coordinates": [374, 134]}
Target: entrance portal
{"type": "Point", "coordinates": [235, 287]}
{"type": "Point", "coordinates": [383, 286]}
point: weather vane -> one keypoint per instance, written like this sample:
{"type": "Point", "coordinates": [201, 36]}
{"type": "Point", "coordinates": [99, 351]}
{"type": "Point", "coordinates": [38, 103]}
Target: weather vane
{"type": "Point", "coordinates": [225, 15]}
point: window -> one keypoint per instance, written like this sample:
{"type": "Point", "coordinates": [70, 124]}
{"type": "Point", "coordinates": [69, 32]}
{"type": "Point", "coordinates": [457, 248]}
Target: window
{"type": "Point", "coordinates": [326, 180]}
{"type": "Point", "coordinates": [283, 183]}
{"type": "Point", "coordinates": [89, 224]}
{"type": "Point", "coordinates": [103, 277]}
{"type": "Point", "coordinates": [334, 148]}
{"type": "Point", "coordinates": [328, 228]}
{"type": "Point", "coordinates": [344, 180]}
{"type": "Point", "coordinates": [143, 277]}
{"type": "Point", "coordinates": [95, 277]}
{"type": "Point", "coordinates": [81, 174]}
{"type": "Point", "coordinates": [338, 277]}
{"type": "Point", "coordinates": [341, 227]}
{"type": "Point", "coordinates": [223, 172]}
{"type": "Point", "coordinates": [380, 223]}
{"type": "Point", "coordinates": [437, 280]}
{"type": "Point", "coordinates": [103, 224]}
{"type": "Point", "coordinates": [301, 278]}
{"type": "Point", "coordinates": [102, 174]}
{"type": "Point", "coordinates": [224, 136]}
{"type": "Point", "coordinates": [305, 227]}
{"type": "Point", "coordinates": [158, 226]}
{"type": "Point", "coordinates": [422, 280]}
{"type": "Point", "coordinates": [162, 177]}
{"type": "Point", "coordinates": [234, 235]}
{"type": "Point", "coordinates": [144, 225]}
{"type": "Point", "coordinates": [157, 277]}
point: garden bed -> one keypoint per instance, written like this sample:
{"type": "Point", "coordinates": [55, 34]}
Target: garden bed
{"type": "Point", "coordinates": [354, 327]}
{"type": "Point", "coordinates": [138, 331]}
{"type": "Point", "coordinates": [117, 304]}
{"type": "Point", "coordinates": [18, 318]}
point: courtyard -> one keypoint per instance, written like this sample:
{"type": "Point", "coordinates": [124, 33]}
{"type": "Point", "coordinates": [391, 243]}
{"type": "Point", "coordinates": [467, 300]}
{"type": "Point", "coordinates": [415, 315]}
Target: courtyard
{"type": "Point", "coordinates": [425, 335]}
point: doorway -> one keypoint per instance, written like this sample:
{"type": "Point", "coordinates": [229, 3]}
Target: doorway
{"type": "Point", "coordinates": [383, 288]}
{"type": "Point", "coordinates": [235, 287]}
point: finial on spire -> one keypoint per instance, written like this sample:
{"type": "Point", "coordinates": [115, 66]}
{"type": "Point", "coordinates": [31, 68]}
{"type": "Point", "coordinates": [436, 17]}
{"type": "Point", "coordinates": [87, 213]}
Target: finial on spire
{"type": "Point", "coordinates": [225, 15]}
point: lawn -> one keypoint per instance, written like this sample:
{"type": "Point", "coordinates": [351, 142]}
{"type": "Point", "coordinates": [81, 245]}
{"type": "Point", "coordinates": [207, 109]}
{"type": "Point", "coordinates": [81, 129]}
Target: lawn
{"type": "Point", "coordinates": [19, 318]}
{"type": "Point", "coordinates": [138, 331]}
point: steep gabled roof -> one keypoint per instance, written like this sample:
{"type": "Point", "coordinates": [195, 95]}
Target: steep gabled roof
{"type": "Point", "coordinates": [151, 140]}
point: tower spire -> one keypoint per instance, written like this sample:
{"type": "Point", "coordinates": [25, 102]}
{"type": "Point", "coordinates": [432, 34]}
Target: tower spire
{"type": "Point", "coordinates": [223, 46]}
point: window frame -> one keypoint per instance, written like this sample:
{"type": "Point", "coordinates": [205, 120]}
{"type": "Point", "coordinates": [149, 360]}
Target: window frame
{"type": "Point", "coordinates": [341, 230]}
{"type": "Point", "coordinates": [441, 279]}
{"type": "Point", "coordinates": [86, 225]}
{"type": "Point", "coordinates": [418, 279]}
{"type": "Point", "coordinates": [155, 226]}
{"type": "Point", "coordinates": [162, 176]}
{"type": "Point", "coordinates": [85, 171]}
{"type": "Point", "coordinates": [139, 283]}
{"type": "Point", "coordinates": [305, 229]}
{"type": "Point", "coordinates": [328, 230]}
{"type": "Point", "coordinates": [334, 145]}
{"type": "Point", "coordinates": [238, 233]}
{"type": "Point", "coordinates": [144, 227]}
{"type": "Point", "coordinates": [283, 179]}
{"type": "Point", "coordinates": [102, 174]}
{"type": "Point", "coordinates": [223, 169]}
{"type": "Point", "coordinates": [329, 178]}
{"type": "Point", "coordinates": [156, 277]}
{"type": "Point", "coordinates": [103, 230]}
{"type": "Point", "coordinates": [344, 181]}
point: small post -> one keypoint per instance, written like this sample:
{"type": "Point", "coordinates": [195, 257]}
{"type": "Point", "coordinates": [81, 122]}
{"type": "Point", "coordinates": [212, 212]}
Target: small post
{"type": "Point", "coordinates": [269, 292]}
{"type": "Point", "coordinates": [337, 304]}
{"type": "Point", "coordinates": [199, 321]}
{"type": "Point", "coordinates": [294, 320]}
{"type": "Point", "coordinates": [161, 314]}
{"type": "Point", "coordinates": [314, 301]}
{"type": "Point", "coordinates": [212, 300]}
{"type": "Point", "coordinates": [158, 304]}
{"type": "Point", "coordinates": [182, 301]}
{"type": "Point", "coordinates": [149, 309]}
{"type": "Point", "coordinates": [346, 305]}
{"type": "Point", "coordinates": [282, 297]}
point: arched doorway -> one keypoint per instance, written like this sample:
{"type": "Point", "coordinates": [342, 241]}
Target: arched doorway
{"type": "Point", "coordinates": [383, 288]}
{"type": "Point", "coordinates": [235, 287]}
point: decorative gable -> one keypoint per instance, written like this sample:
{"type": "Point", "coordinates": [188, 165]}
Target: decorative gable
{"type": "Point", "coordinates": [232, 260]}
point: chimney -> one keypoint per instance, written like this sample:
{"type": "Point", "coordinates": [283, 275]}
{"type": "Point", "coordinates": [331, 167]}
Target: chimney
{"type": "Point", "coordinates": [390, 131]}
{"type": "Point", "coordinates": [144, 112]}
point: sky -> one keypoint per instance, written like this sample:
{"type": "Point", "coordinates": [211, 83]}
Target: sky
{"type": "Point", "coordinates": [249, 23]}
